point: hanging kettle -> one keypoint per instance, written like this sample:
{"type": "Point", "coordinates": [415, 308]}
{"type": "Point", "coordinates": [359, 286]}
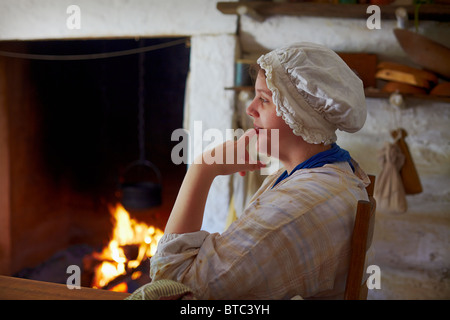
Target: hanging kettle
{"type": "Point", "coordinates": [137, 190]}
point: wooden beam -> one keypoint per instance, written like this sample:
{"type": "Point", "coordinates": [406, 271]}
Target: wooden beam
{"type": "Point", "coordinates": [437, 12]}
{"type": "Point", "coordinates": [376, 93]}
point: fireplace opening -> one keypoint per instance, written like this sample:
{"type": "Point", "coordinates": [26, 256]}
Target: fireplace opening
{"type": "Point", "coordinates": [71, 130]}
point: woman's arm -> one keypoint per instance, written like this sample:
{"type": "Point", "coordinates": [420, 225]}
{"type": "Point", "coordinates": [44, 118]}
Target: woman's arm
{"type": "Point", "coordinates": [187, 213]}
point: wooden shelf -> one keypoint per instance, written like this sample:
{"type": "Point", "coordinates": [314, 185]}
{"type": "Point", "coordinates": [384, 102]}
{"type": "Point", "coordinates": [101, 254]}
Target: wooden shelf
{"type": "Point", "coordinates": [376, 93]}
{"type": "Point", "coordinates": [436, 12]}
{"type": "Point", "coordinates": [243, 88]}
{"type": "Point", "coordinates": [370, 93]}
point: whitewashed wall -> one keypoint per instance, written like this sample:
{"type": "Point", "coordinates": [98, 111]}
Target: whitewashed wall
{"type": "Point", "coordinates": [411, 248]}
{"type": "Point", "coordinates": [212, 70]}
{"type": "Point", "coordinates": [46, 19]}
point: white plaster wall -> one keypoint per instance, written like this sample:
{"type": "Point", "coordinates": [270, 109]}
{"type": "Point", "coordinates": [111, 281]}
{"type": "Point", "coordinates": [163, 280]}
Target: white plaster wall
{"type": "Point", "coordinates": [212, 70]}
{"type": "Point", "coordinates": [344, 35]}
{"type": "Point", "coordinates": [338, 34]}
{"type": "Point", "coordinates": [46, 19]}
{"type": "Point", "coordinates": [411, 248]}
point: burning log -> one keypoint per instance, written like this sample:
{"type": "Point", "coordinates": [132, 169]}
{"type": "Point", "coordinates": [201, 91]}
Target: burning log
{"type": "Point", "coordinates": [131, 251]}
{"type": "Point", "coordinates": [131, 245]}
{"type": "Point", "coordinates": [143, 268]}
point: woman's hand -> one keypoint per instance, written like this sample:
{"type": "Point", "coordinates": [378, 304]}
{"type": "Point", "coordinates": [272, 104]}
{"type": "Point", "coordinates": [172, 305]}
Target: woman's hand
{"type": "Point", "coordinates": [227, 158]}
{"type": "Point", "coordinates": [231, 157]}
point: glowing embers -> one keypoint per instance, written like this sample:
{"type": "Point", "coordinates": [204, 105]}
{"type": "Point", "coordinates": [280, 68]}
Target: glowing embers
{"type": "Point", "coordinates": [132, 242]}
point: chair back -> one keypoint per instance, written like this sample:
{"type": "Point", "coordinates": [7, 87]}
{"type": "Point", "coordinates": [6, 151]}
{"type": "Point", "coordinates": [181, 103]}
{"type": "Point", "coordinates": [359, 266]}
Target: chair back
{"type": "Point", "coordinates": [356, 288]}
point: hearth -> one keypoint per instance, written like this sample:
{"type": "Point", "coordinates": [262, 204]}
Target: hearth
{"type": "Point", "coordinates": [69, 134]}
{"type": "Point", "coordinates": [122, 265]}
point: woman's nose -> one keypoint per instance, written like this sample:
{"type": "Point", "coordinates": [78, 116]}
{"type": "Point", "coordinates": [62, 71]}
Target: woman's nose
{"type": "Point", "coordinates": [251, 109]}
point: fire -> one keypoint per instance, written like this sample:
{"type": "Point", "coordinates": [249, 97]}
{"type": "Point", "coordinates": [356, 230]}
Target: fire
{"type": "Point", "coordinates": [127, 232]}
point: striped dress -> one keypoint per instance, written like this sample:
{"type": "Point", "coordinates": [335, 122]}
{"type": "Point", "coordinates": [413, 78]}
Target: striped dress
{"type": "Point", "coordinates": [291, 240]}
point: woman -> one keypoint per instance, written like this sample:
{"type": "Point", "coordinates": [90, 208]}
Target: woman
{"type": "Point", "coordinates": [294, 236]}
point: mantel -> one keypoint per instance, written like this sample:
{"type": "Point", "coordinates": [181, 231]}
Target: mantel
{"type": "Point", "coordinates": [437, 12]}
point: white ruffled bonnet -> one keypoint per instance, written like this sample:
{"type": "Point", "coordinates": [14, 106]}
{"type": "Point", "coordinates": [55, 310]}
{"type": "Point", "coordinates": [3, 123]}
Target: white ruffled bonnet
{"type": "Point", "coordinates": [314, 91]}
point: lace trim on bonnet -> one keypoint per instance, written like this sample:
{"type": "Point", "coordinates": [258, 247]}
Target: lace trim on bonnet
{"type": "Point", "coordinates": [284, 108]}
{"type": "Point", "coordinates": [322, 115]}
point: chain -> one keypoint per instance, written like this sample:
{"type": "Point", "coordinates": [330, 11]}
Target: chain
{"type": "Point", "coordinates": [141, 119]}
{"type": "Point", "coordinates": [92, 56]}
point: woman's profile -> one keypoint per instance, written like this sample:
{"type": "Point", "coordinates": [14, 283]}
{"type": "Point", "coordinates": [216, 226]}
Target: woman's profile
{"type": "Point", "coordinates": [293, 239]}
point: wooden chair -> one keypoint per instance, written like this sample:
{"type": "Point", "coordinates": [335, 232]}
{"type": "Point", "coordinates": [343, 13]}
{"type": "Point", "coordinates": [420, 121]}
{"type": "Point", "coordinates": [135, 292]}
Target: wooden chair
{"type": "Point", "coordinates": [356, 288]}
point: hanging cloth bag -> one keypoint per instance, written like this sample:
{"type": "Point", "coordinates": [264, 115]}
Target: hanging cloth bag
{"type": "Point", "coordinates": [389, 191]}
{"type": "Point", "coordinates": [408, 172]}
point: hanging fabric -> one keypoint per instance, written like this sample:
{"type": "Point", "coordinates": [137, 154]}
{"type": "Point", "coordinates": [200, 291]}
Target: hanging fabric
{"type": "Point", "coordinates": [408, 172]}
{"type": "Point", "coordinates": [389, 191]}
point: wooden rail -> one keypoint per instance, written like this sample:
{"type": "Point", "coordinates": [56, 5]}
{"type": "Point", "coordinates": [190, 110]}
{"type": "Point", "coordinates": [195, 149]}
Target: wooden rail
{"type": "Point", "coordinates": [23, 289]}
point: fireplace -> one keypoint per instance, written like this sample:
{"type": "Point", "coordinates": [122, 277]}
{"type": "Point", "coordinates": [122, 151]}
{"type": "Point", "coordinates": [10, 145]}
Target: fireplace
{"type": "Point", "coordinates": [68, 129]}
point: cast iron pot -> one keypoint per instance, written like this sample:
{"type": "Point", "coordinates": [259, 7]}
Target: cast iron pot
{"type": "Point", "coordinates": [142, 194]}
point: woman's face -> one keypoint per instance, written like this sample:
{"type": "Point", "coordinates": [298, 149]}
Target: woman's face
{"type": "Point", "coordinates": [263, 111]}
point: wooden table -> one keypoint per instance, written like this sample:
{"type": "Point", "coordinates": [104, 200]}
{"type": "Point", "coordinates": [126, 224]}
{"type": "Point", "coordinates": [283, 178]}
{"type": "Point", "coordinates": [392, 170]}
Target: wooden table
{"type": "Point", "coordinates": [23, 289]}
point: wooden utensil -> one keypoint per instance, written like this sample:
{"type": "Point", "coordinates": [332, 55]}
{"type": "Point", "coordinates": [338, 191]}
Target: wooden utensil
{"type": "Point", "coordinates": [403, 77]}
{"type": "Point", "coordinates": [419, 73]}
{"type": "Point", "coordinates": [430, 54]}
{"type": "Point", "coordinates": [392, 86]}
{"type": "Point", "coordinates": [442, 89]}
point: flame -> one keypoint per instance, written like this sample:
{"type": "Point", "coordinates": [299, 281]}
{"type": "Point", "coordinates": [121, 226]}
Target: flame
{"type": "Point", "coordinates": [126, 231]}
